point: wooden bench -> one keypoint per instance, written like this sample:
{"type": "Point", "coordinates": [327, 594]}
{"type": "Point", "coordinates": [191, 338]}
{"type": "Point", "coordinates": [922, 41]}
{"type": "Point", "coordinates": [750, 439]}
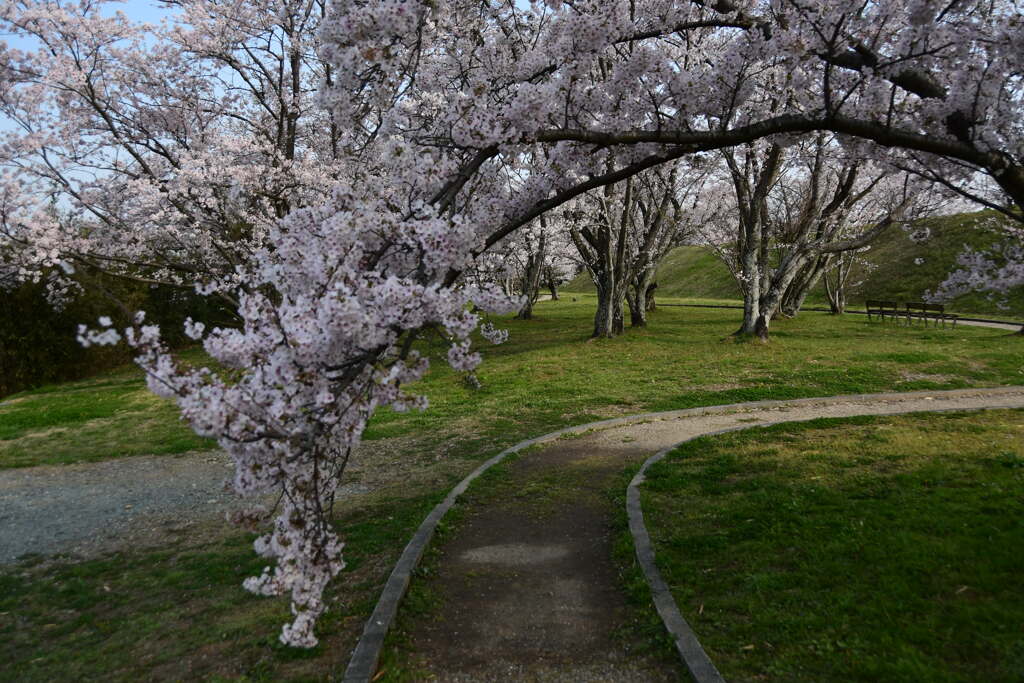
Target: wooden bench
{"type": "Point", "coordinates": [882, 309]}
{"type": "Point", "coordinates": [918, 310]}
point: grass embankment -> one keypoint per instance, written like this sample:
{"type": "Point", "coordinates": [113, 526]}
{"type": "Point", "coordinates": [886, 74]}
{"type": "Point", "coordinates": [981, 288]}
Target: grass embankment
{"type": "Point", "coordinates": [901, 269]}
{"type": "Point", "coordinates": [879, 548]}
{"type": "Point", "coordinates": [181, 613]}
{"type": "Point", "coordinates": [109, 416]}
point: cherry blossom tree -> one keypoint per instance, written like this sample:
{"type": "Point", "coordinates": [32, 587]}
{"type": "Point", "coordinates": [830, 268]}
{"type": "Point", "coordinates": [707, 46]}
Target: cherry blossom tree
{"type": "Point", "coordinates": [528, 256]}
{"type": "Point", "coordinates": [663, 223]}
{"type": "Point", "coordinates": [161, 153]}
{"type": "Point", "coordinates": [836, 276]}
{"type": "Point", "coordinates": [794, 210]}
{"type": "Point", "coordinates": [543, 257]}
{"type": "Point", "coordinates": [445, 101]}
{"type": "Point", "coordinates": [621, 236]}
{"type": "Point", "coordinates": [997, 271]}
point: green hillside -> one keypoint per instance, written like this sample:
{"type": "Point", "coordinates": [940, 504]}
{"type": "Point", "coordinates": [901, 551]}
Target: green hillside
{"type": "Point", "coordinates": [903, 270]}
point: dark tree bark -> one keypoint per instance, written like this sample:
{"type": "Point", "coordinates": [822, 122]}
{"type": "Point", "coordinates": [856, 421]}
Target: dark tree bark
{"type": "Point", "coordinates": [552, 285]}
{"type": "Point", "coordinates": [803, 283]}
{"type": "Point", "coordinates": [650, 296]}
{"type": "Point", "coordinates": [531, 277]}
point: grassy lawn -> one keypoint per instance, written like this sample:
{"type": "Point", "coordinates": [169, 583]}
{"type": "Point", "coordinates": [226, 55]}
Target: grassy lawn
{"type": "Point", "coordinates": [861, 549]}
{"type": "Point", "coordinates": [108, 416]}
{"type": "Point", "coordinates": [550, 376]}
{"type": "Point", "coordinates": [180, 613]}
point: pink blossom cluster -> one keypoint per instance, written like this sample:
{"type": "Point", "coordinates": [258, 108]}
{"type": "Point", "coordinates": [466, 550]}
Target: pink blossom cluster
{"type": "Point", "coordinates": [311, 363]}
{"type": "Point", "coordinates": [161, 153]}
{"type": "Point", "coordinates": [997, 271]}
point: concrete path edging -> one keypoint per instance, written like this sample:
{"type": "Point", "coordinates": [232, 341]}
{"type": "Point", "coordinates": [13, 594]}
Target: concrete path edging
{"type": "Point", "coordinates": [365, 657]}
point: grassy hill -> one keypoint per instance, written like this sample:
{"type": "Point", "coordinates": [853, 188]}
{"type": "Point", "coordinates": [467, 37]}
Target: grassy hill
{"type": "Point", "coordinates": [903, 270]}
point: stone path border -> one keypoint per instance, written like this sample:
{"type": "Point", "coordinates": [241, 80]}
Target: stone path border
{"type": "Point", "coordinates": [363, 663]}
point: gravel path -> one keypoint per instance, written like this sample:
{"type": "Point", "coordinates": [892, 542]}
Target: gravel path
{"type": "Point", "coordinates": [87, 509]}
{"type": "Point", "coordinates": [79, 509]}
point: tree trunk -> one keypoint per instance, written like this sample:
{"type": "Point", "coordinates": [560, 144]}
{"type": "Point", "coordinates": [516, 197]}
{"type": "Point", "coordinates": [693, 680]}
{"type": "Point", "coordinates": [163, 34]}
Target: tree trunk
{"type": "Point", "coordinates": [802, 284]}
{"type": "Point", "coordinates": [608, 319]}
{"type": "Point", "coordinates": [553, 287]}
{"type": "Point", "coordinates": [836, 292]}
{"type": "Point", "coordinates": [761, 327]}
{"type": "Point", "coordinates": [751, 291]}
{"type": "Point", "coordinates": [778, 283]}
{"type": "Point", "coordinates": [531, 281]}
{"type": "Point", "coordinates": [650, 296]}
{"type": "Point", "coordinates": [637, 296]}
{"type": "Point", "coordinates": [637, 308]}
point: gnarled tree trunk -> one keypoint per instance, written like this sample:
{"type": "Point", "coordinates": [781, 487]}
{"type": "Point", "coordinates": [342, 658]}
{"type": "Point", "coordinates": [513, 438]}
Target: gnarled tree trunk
{"type": "Point", "coordinates": [803, 283]}
{"type": "Point", "coordinates": [531, 279]}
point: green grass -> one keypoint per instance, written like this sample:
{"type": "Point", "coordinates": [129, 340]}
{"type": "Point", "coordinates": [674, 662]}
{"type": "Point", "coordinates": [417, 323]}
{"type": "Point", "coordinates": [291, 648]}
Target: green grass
{"type": "Point", "coordinates": [109, 416]}
{"type": "Point", "coordinates": [895, 274]}
{"type": "Point", "coordinates": [549, 375]}
{"type": "Point", "coordinates": [883, 548]}
{"type": "Point", "coordinates": [181, 613]}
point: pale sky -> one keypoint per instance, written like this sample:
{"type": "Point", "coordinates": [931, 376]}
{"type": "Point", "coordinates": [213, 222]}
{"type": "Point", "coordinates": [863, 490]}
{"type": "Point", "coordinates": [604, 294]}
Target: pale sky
{"type": "Point", "coordinates": [137, 10]}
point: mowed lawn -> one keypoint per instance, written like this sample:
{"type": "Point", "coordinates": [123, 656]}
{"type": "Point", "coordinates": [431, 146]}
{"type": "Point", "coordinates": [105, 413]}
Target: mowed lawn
{"type": "Point", "coordinates": [870, 549]}
{"type": "Point", "coordinates": [549, 374]}
{"type": "Point", "coordinates": [180, 612]}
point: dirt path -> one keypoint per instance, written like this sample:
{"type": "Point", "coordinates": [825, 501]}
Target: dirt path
{"type": "Point", "coordinates": [527, 587]}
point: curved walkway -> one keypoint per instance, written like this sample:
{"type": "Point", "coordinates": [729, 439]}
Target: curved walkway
{"type": "Point", "coordinates": [527, 587]}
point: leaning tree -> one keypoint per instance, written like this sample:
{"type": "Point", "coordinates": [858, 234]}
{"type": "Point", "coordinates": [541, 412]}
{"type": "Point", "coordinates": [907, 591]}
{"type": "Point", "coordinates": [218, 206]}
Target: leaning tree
{"type": "Point", "coordinates": [443, 99]}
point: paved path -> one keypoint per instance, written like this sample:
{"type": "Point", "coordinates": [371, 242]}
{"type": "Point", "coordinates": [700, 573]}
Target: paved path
{"type": "Point", "coordinates": [527, 587]}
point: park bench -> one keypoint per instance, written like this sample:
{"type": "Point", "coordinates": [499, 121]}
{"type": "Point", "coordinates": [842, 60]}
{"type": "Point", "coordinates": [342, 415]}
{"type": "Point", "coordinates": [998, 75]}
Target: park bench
{"type": "Point", "coordinates": [918, 310]}
{"type": "Point", "coordinates": [882, 309]}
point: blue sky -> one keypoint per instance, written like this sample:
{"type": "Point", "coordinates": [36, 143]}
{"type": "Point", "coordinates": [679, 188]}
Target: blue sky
{"type": "Point", "coordinates": [137, 10]}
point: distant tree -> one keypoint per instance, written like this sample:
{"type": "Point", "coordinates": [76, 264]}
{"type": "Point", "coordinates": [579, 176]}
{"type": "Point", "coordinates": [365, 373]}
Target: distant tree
{"type": "Point", "coordinates": [159, 153]}
{"type": "Point", "coordinates": [623, 234]}
{"type": "Point", "coordinates": [793, 209]}
{"type": "Point", "coordinates": [997, 271]}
